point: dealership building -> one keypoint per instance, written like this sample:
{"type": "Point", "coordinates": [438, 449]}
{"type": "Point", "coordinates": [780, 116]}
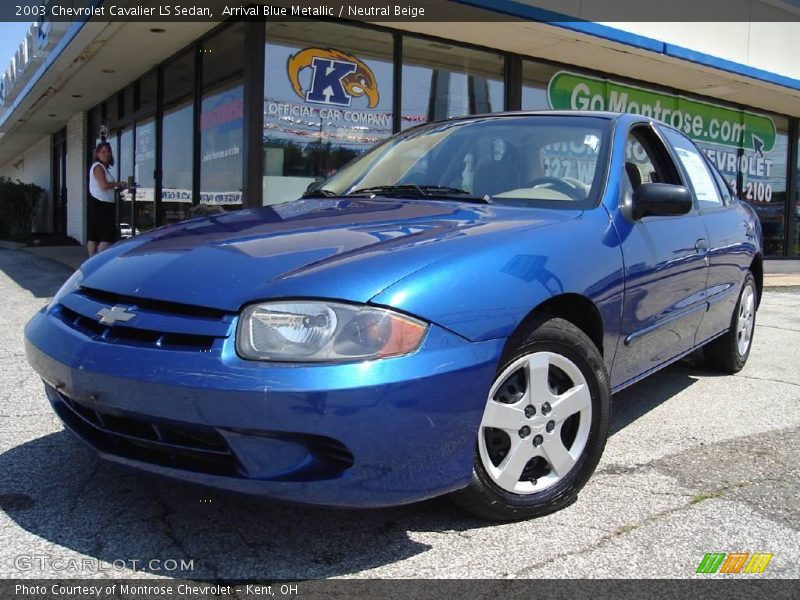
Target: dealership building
{"type": "Point", "coordinates": [244, 113]}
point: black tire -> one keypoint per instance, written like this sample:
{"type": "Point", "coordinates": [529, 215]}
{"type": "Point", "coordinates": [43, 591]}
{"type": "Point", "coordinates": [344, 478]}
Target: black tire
{"type": "Point", "coordinates": [724, 354]}
{"type": "Point", "coordinates": [550, 337]}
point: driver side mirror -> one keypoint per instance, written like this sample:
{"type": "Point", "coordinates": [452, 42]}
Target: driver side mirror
{"type": "Point", "coordinates": [660, 199]}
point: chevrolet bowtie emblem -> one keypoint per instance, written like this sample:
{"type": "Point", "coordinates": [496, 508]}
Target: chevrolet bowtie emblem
{"type": "Point", "coordinates": [109, 316]}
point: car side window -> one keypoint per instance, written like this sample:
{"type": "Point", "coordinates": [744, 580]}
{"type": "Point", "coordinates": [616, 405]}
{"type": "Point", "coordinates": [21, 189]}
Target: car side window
{"type": "Point", "coordinates": [646, 161]}
{"type": "Point", "coordinates": [696, 168]}
{"type": "Point", "coordinates": [724, 187]}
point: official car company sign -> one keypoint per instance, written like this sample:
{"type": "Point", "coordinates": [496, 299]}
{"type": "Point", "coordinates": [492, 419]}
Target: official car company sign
{"type": "Point", "coordinates": [336, 77]}
{"type": "Point", "coordinates": [701, 121]}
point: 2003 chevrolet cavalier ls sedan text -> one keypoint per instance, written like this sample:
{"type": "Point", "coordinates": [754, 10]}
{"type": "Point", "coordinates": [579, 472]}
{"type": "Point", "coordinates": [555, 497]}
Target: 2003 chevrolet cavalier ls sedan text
{"type": "Point", "coordinates": [448, 313]}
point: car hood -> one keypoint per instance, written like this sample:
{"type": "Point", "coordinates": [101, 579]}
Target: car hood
{"type": "Point", "coordinates": [348, 249]}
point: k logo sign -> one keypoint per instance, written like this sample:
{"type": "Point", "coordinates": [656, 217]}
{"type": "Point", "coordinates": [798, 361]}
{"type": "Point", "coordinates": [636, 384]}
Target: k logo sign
{"type": "Point", "coordinates": [336, 77]}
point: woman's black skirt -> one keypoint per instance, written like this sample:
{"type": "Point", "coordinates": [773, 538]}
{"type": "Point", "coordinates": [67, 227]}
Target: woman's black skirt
{"type": "Point", "coordinates": [101, 221]}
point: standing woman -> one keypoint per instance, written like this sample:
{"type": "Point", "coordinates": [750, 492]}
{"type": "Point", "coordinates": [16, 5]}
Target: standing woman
{"type": "Point", "coordinates": [102, 219]}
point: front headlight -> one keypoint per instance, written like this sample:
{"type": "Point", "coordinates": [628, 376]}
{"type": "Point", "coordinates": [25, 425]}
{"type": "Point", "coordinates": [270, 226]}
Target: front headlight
{"type": "Point", "coordinates": [70, 285]}
{"type": "Point", "coordinates": [313, 331]}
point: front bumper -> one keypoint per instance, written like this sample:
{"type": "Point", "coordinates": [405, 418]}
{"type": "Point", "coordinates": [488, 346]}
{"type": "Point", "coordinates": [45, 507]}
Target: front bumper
{"type": "Point", "coordinates": [375, 433]}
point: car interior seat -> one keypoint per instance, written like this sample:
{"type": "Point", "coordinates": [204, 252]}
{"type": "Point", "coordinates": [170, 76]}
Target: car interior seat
{"type": "Point", "coordinates": [496, 176]}
{"type": "Point", "coordinates": [634, 175]}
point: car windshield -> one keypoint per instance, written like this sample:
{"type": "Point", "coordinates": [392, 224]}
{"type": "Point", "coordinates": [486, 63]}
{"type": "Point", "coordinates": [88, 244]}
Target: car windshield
{"type": "Point", "coordinates": [557, 161]}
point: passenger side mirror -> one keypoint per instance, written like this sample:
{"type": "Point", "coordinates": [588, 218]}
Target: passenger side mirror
{"type": "Point", "coordinates": [660, 199]}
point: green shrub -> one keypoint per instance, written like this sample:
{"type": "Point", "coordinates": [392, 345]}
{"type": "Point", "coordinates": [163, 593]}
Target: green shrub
{"type": "Point", "coordinates": [18, 202]}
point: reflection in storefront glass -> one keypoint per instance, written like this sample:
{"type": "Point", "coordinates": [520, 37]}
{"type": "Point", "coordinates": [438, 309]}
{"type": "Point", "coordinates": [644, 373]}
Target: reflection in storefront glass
{"type": "Point", "coordinates": [535, 77]}
{"type": "Point", "coordinates": [176, 160]}
{"type": "Point", "coordinates": [758, 176]}
{"type": "Point", "coordinates": [125, 161]}
{"type": "Point", "coordinates": [144, 171]}
{"type": "Point", "coordinates": [441, 81]}
{"type": "Point", "coordinates": [325, 102]}
{"type": "Point", "coordinates": [221, 139]}
{"type": "Point", "coordinates": [796, 213]}
{"type": "Point", "coordinates": [222, 120]}
{"type": "Point", "coordinates": [749, 149]}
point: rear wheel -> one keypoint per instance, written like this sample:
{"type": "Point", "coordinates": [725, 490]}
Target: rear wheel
{"type": "Point", "coordinates": [729, 352]}
{"type": "Point", "coordinates": [544, 426]}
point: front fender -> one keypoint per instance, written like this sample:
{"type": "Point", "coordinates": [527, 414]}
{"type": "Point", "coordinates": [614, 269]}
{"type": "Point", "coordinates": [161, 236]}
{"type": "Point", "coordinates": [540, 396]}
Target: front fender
{"type": "Point", "coordinates": [484, 294]}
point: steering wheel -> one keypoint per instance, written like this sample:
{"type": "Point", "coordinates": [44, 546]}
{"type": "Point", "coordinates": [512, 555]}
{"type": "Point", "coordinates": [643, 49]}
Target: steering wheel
{"type": "Point", "coordinates": [559, 185]}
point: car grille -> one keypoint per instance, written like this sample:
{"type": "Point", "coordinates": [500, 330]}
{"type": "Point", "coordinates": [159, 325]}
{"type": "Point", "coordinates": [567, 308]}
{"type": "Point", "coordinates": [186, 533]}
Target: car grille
{"type": "Point", "coordinates": [194, 448]}
{"type": "Point", "coordinates": [155, 305]}
{"type": "Point", "coordinates": [190, 447]}
{"type": "Point", "coordinates": [157, 324]}
{"type": "Point", "coordinates": [138, 337]}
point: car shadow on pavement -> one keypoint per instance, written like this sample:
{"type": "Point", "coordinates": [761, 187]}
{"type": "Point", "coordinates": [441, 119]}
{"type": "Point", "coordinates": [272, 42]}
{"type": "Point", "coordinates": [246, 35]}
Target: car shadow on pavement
{"type": "Point", "coordinates": [639, 399]}
{"type": "Point", "coordinates": [56, 489]}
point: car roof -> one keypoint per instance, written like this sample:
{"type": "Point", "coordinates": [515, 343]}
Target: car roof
{"type": "Point", "coordinates": [543, 113]}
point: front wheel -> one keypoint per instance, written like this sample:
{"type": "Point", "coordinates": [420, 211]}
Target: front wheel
{"type": "Point", "coordinates": [544, 426]}
{"type": "Point", "coordinates": [729, 352]}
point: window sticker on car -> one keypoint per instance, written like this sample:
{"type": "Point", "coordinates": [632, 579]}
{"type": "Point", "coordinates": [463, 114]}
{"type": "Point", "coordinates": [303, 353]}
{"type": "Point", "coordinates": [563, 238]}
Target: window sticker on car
{"type": "Point", "coordinates": [592, 141]}
{"type": "Point", "coordinates": [701, 179]}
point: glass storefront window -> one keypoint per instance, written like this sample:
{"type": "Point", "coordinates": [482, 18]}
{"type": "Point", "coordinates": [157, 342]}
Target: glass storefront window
{"type": "Point", "coordinates": [750, 149]}
{"type": "Point", "coordinates": [176, 162]}
{"type": "Point", "coordinates": [177, 136]}
{"type": "Point", "coordinates": [222, 119]}
{"type": "Point", "coordinates": [179, 78]}
{"type": "Point", "coordinates": [126, 108]}
{"type": "Point", "coordinates": [441, 80]}
{"type": "Point", "coordinates": [146, 96]}
{"type": "Point", "coordinates": [144, 169]}
{"type": "Point", "coordinates": [125, 171]}
{"type": "Point", "coordinates": [757, 172]}
{"type": "Point", "coordinates": [535, 77]}
{"type": "Point", "coordinates": [796, 212]}
{"type": "Point", "coordinates": [112, 108]}
{"type": "Point", "coordinates": [113, 140]}
{"type": "Point", "coordinates": [325, 101]}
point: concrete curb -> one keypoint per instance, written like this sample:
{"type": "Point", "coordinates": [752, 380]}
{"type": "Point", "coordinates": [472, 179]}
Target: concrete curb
{"type": "Point", "coordinates": [778, 280]}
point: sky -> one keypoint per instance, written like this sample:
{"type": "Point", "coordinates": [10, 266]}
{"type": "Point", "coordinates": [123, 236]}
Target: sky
{"type": "Point", "coordinates": [11, 35]}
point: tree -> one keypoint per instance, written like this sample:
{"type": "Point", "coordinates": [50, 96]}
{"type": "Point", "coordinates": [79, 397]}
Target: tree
{"type": "Point", "coordinates": [18, 202]}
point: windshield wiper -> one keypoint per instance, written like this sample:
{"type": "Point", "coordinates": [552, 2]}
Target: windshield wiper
{"type": "Point", "coordinates": [422, 191]}
{"type": "Point", "coordinates": [319, 193]}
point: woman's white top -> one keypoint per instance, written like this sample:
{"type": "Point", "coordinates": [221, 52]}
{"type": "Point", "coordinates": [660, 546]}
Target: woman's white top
{"type": "Point", "coordinates": [94, 185]}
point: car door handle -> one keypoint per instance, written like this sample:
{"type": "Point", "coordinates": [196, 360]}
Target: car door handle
{"type": "Point", "coordinates": [749, 230]}
{"type": "Point", "coordinates": [701, 245]}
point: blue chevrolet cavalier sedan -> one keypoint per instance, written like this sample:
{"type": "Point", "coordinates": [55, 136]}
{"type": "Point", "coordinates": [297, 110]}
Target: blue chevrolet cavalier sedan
{"type": "Point", "coordinates": [449, 313]}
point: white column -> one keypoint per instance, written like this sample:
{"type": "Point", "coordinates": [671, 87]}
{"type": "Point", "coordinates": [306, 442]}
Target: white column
{"type": "Point", "coordinates": [77, 177]}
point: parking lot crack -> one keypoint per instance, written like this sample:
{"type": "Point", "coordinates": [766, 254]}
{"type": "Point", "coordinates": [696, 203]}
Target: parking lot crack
{"type": "Point", "coordinates": [628, 528]}
{"type": "Point", "coordinates": [767, 379]}
{"type": "Point", "coordinates": [164, 518]}
{"type": "Point", "coordinates": [779, 328]}
{"type": "Point", "coordinates": [604, 539]}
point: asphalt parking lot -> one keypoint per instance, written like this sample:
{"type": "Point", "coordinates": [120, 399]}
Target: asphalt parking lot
{"type": "Point", "coordinates": [696, 463]}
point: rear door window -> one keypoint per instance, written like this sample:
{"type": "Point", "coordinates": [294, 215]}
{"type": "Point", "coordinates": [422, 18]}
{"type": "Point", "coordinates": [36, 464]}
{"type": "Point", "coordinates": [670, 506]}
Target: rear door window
{"type": "Point", "coordinates": [696, 169]}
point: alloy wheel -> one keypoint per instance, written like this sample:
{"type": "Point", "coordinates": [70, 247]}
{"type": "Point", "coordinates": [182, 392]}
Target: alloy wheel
{"type": "Point", "coordinates": [536, 423]}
